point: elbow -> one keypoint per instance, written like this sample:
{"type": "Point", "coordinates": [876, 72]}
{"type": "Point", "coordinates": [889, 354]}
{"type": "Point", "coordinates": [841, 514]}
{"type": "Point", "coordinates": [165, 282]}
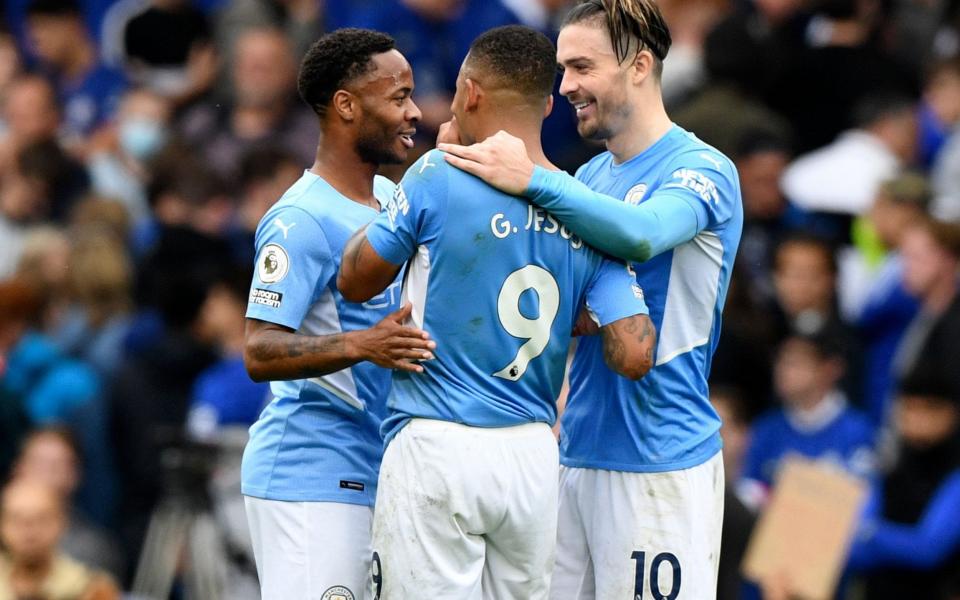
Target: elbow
{"type": "Point", "coordinates": [351, 290]}
{"type": "Point", "coordinates": [637, 368]}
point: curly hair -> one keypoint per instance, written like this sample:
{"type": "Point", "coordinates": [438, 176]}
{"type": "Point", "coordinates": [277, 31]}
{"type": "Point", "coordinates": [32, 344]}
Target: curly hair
{"type": "Point", "coordinates": [519, 57]}
{"type": "Point", "coordinates": [336, 59]}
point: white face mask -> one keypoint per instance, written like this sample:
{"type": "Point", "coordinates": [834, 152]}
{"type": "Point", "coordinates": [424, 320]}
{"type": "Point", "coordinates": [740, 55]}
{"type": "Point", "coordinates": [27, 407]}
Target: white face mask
{"type": "Point", "coordinates": [142, 138]}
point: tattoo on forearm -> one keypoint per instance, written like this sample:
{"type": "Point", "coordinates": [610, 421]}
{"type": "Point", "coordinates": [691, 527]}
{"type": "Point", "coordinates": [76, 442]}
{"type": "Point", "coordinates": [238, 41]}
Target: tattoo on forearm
{"type": "Point", "coordinates": [613, 347]}
{"type": "Point", "coordinates": [286, 350]}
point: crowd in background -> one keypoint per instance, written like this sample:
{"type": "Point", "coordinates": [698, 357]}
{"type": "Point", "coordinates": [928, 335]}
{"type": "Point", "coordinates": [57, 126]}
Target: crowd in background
{"type": "Point", "coordinates": [142, 140]}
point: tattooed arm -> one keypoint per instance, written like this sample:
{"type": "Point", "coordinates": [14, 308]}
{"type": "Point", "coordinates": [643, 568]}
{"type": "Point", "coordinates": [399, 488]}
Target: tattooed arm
{"type": "Point", "coordinates": [273, 352]}
{"type": "Point", "coordinates": [363, 273]}
{"type": "Point", "coordinates": [628, 345]}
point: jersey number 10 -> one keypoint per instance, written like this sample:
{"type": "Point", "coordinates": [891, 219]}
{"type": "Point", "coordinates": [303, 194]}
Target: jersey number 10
{"type": "Point", "coordinates": [535, 331]}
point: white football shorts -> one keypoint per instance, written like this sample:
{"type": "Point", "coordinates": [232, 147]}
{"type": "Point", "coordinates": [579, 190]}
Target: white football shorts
{"type": "Point", "coordinates": [310, 550]}
{"type": "Point", "coordinates": [466, 513]}
{"type": "Point", "coordinates": [632, 536]}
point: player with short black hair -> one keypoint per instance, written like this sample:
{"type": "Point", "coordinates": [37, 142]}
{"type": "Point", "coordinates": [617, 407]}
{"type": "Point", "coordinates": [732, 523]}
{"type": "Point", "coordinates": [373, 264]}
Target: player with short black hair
{"type": "Point", "coordinates": [309, 471]}
{"type": "Point", "coordinates": [641, 494]}
{"type": "Point", "coordinates": [468, 489]}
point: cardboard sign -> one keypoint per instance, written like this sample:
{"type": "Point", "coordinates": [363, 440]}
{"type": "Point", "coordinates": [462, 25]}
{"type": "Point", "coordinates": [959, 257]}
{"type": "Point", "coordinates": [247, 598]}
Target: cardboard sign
{"type": "Point", "coordinates": [804, 534]}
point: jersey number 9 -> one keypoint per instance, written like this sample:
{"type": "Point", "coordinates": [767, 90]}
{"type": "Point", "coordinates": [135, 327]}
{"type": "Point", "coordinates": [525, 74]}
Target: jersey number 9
{"type": "Point", "coordinates": [535, 331]}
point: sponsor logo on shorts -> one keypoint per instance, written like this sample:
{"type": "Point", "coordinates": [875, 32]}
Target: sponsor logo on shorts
{"type": "Point", "coordinates": [266, 297]}
{"type": "Point", "coordinates": [352, 485]}
{"type": "Point", "coordinates": [338, 592]}
{"type": "Point", "coordinates": [273, 264]}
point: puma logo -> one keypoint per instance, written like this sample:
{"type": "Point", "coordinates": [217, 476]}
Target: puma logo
{"type": "Point", "coordinates": [284, 228]}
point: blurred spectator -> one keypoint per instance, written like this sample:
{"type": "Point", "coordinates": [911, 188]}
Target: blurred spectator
{"type": "Point", "coordinates": [683, 69]}
{"type": "Point", "coordinates": [738, 520]}
{"type": "Point", "coordinates": [99, 287]}
{"type": "Point", "coordinates": [88, 89]}
{"type": "Point", "coordinates": [729, 108]}
{"type": "Point", "coordinates": [151, 392]}
{"type": "Point", "coordinates": [32, 520]}
{"type": "Point", "coordinates": [10, 63]}
{"type": "Point", "coordinates": [435, 35]}
{"type": "Point", "coordinates": [30, 114]}
{"type": "Point", "coordinates": [19, 308]}
{"type": "Point", "coordinates": [939, 109]}
{"type": "Point", "coordinates": [842, 177]}
{"type": "Point", "coordinates": [815, 420]}
{"type": "Point", "coordinates": [805, 280]}
{"type": "Point", "coordinates": [43, 185]}
{"type": "Point", "coordinates": [264, 107]}
{"type": "Point", "coordinates": [224, 395]}
{"type": "Point", "coordinates": [121, 169]}
{"type": "Point", "coordinates": [167, 48]}
{"type": "Point", "coordinates": [874, 294]}
{"type": "Point", "coordinates": [931, 255]}
{"type": "Point", "coordinates": [265, 174]}
{"type": "Point", "coordinates": [760, 159]}
{"type": "Point", "coordinates": [842, 65]}
{"type": "Point", "coordinates": [300, 20]}
{"type": "Point", "coordinates": [45, 264]}
{"type": "Point", "coordinates": [51, 457]}
{"type": "Point", "coordinates": [57, 389]}
{"type": "Point", "coordinates": [910, 534]}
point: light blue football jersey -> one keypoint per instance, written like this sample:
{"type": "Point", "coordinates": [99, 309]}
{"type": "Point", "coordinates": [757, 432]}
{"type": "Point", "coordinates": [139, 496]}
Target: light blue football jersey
{"type": "Point", "coordinates": [318, 439]}
{"type": "Point", "coordinates": [498, 284]}
{"type": "Point", "coordinates": [665, 421]}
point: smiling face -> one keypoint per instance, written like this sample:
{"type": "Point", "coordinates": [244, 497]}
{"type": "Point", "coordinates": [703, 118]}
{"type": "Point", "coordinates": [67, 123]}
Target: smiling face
{"type": "Point", "coordinates": [593, 81]}
{"type": "Point", "coordinates": [388, 117]}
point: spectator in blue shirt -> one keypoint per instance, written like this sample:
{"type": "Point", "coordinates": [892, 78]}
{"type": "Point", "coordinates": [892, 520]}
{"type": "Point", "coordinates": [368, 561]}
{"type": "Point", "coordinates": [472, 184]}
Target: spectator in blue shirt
{"type": "Point", "coordinates": [815, 420]}
{"type": "Point", "coordinates": [910, 534]}
{"type": "Point", "coordinates": [88, 89]}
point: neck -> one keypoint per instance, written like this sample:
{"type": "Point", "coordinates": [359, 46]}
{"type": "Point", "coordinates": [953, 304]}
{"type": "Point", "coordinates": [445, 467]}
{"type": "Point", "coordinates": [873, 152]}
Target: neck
{"type": "Point", "coordinates": [32, 570]}
{"type": "Point", "coordinates": [644, 128]}
{"type": "Point", "coordinates": [339, 164]}
{"type": "Point", "coordinates": [527, 130]}
{"type": "Point", "coordinates": [80, 60]}
{"type": "Point", "coordinates": [941, 296]}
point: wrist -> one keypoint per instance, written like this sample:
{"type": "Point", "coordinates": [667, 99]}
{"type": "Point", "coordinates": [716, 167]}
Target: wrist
{"type": "Point", "coordinates": [354, 346]}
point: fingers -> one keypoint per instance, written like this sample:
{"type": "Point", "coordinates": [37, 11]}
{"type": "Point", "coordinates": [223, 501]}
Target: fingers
{"type": "Point", "coordinates": [470, 152]}
{"type": "Point", "coordinates": [411, 354]}
{"type": "Point", "coordinates": [472, 167]}
{"type": "Point", "coordinates": [401, 314]}
{"type": "Point", "coordinates": [401, 365]}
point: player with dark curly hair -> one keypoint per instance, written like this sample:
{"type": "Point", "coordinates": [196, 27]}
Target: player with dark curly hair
{"type": "Point", "coordinates": [309, 472]}
{"type": "Point", "coordinates": [467, 504]}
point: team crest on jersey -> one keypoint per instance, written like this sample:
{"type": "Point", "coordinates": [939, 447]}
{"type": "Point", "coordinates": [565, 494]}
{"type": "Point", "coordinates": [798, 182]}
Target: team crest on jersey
{"type": "Point", "coordinates": [635, 194]}
{"type": "Point", "coordinates": [273, 264]}
{"type": "Point", "coordinates": [338, 592]}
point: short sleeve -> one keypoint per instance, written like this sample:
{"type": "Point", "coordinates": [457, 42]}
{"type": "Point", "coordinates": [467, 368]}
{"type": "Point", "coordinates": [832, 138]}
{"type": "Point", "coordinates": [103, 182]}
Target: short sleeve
{"type": "Point", "coordinates": [614, 294]}
{"type": "Point", "coordinates": [293, 262]}
{"type": "Point", "coordinates": [415, 212]}
{"type": "Point", "coordinates": [708, 182]}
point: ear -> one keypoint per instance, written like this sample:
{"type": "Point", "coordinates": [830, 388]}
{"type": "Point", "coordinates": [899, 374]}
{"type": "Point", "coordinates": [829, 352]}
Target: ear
{"type": "Point", "coordinates": [345, 104]}
{"type": "Point", "coordinates": [549, 107]}
{"type": "Point", "coordinates": [474, 92]}
{"type": "Point", "coordinates": [642, 67]}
